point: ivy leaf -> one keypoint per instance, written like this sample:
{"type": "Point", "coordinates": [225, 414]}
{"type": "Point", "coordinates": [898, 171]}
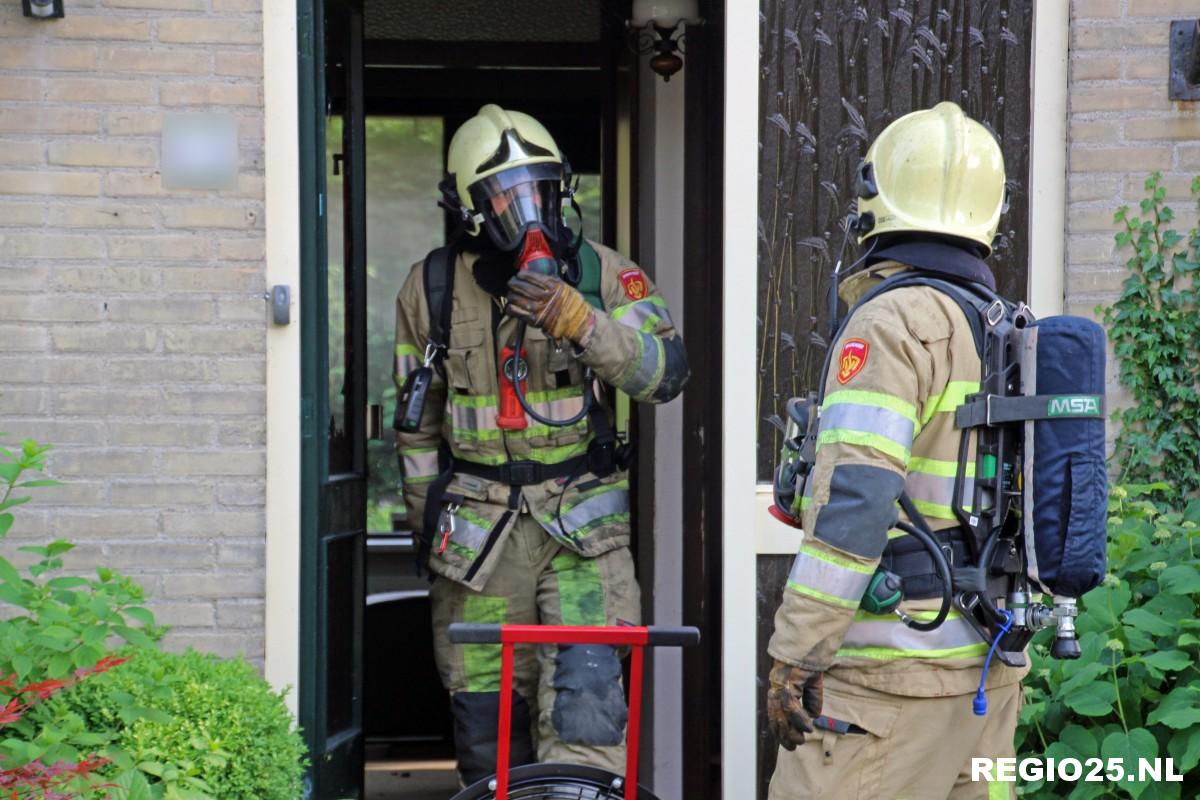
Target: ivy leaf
{"type": "Point", "coordinates": [1180, 579]}
{"type": "Point", "coordinates": [1169, 660]}
{"type": "Point", "coordinates": [1127, 748]}
{"type": "Point", "coordinates": [1184, 747]}
{"type": "Point", "coordinates": [1093, 699]}
{"type": "Point", "coordinates": [1081, 740]}
{"type": "Point", "coordinates": [6, 521]}
{"type": "Point", "coordinates": [1179, 709]}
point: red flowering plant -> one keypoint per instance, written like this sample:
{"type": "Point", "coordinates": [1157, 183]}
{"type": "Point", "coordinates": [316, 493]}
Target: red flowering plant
{"type": "Point", "coordinates": [55, 631]}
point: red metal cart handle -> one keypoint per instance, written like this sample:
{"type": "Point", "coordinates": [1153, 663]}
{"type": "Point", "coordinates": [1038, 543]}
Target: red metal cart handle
{"type": "Point", "coordinates": [636, 637]}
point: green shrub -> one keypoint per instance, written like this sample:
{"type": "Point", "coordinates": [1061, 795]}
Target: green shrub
{"type": "Point", "coordinates": [220, 731]}
{"type": "Point", "coordinates": [1135, 691]}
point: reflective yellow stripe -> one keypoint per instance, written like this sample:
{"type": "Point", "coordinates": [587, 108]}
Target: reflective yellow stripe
{"type": "Point", "coordinates": [836, 560]}
{"type": "Point", "coordinates": [953, 396]}
{"type": "Point", "coordinates": [888, 654]}
{"type": "Point", "coordinates": [933, 466]}
{"type": "Point", "coordinates": [877, 399]}
{"type": "Point", "coordinates": [874, 441]}
{"type": "Point", "coordinates": [999, 790]}
{"type": "Point", "coordinates": [409, 350]}
{"type": "Point", "coordinates": [828, 598]}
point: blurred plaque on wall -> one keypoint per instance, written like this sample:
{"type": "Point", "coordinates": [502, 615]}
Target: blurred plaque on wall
{"type": "Point", "coordinates": [199, 151]}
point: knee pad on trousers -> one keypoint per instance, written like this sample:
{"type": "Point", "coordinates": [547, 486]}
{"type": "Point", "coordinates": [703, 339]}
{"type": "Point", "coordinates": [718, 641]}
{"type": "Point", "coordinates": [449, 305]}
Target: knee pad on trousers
{"type": "Point", "coordinates": [589, 704]}
{"type": "Point", "coordinates": [476, 718]}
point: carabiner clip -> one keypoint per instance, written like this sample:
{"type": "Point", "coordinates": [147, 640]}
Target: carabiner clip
{"type": "Point", "coordinates": [447, 525]}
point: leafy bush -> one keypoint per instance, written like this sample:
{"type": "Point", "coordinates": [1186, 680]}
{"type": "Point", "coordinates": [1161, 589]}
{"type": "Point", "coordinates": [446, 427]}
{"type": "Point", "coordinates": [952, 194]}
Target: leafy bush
{"type": "Point", "coordinates": [1154, 326]}
{"type": "Point", "coordinates": [219, 731]}
{"type": "Point", "coordinates": [1135, 691]}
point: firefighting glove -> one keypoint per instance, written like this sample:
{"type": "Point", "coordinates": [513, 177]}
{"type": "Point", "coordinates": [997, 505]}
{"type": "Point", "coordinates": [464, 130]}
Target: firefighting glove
{"type": "Point", "coordinates": [548, 303]}
{"type": "Point", "coordinates": [792, 701]}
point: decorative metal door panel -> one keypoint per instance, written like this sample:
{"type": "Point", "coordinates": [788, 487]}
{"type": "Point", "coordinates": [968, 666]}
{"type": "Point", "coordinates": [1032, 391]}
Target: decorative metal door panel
{"type": "Point", "coordinates": [834, 74]}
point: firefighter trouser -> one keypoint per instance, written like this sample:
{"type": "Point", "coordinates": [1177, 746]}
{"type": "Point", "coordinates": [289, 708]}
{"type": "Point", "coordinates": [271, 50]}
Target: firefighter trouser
{"type": "Point", "coordinates": [913, 748]}
{"type": "Point", "coordinates": [569, 704]}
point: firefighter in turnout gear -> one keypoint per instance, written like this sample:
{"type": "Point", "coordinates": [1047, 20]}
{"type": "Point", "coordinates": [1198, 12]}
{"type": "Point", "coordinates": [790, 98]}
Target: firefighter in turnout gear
{"type": "Point", "coordinates": [861, 704]}
{"type": "Point", "coordinates": [523, 521]}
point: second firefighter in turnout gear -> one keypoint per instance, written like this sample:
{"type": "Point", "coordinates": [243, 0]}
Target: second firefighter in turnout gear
{"type": "Point", "coordinates": [522, 521]}
{"type": "Point", "coordinates": [863, 705]}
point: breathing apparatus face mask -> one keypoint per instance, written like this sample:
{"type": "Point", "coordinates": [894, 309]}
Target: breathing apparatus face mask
{"type": "Point", "coordinates": [518, 200]}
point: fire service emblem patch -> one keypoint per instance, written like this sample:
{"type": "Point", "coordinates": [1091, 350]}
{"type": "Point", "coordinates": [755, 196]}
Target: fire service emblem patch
{"type": "Point", "coordinates": [634, 283]}
{"type": "Point", "coordinates": [852, 359]}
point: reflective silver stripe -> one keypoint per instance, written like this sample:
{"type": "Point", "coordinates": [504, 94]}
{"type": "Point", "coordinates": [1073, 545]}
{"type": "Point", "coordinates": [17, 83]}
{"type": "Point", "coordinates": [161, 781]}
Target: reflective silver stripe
{"type": "Point", "coordinates": [404, 365]}
{"type": "Point", "coordinates": [420, 462]}
{"type": "Point", "coordinates": [837, 580]}
{"type": "Point", "coordinates": [637, 315]}
{"type": "Point", "coordinates": [869, 419]}
{"type": "Point", "coordinates": [473, 420]}
{"type": "Point", "coordinates": [562, 408]}
{"type": "Point", "coordinates": [954, 638]}
{"type": "Point", "coordinates": [649, 367]}
{"type": "Point", "coordinates": [468, 420]}
{"type": "Point", "coordinates": [938, 491]}
{"type": "Point", "coordinates": [469, 531]}
{"type": "Point", "coordinates": [612, 501]}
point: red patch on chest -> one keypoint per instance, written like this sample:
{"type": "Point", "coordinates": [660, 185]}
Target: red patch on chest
{"type": "Point", "coordinates": [634, 283]}
{"type": "Point", "coordinates": [852, 359]}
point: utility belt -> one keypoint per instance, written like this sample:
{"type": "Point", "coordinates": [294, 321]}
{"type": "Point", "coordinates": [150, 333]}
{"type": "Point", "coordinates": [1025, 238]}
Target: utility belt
{"type": "Point", "coordinates": [908, 558]}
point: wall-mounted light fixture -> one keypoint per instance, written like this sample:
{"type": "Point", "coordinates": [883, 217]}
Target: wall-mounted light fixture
{"type": "Point", "coordinates": [42, 9]}
{"type": "Point", "coordinates": [652, 29]}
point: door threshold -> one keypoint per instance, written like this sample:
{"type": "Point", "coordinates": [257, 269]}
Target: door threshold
{"type": "Point", "coordinates": [411, 766]}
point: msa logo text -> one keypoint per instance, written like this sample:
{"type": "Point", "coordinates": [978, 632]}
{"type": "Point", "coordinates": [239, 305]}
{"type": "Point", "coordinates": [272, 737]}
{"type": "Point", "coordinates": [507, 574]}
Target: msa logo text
{"type": "Point", "coordinates": [1082, 405]}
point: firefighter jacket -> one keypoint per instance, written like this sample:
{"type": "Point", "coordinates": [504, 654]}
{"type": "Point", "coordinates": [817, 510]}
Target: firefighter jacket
{"type": "Point", "coordinates": [903, 363]}
{"type": "Point", "coordinates": [634, 348]}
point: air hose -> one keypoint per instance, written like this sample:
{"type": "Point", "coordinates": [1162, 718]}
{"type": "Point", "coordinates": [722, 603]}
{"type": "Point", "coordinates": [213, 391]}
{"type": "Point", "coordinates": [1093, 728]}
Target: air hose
{"type": "Point", "coordinates": [518, 387]}
{"type": "Point", "coordinates": [943, 572]}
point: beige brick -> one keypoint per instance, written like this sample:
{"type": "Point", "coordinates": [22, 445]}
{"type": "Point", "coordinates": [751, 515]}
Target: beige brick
{"type": "Point", "coordinates": [222, 645]}
{"type": "Point", "coordinates": [170, 495]}
{"type": "Point", "coordinates": [156, 309]}
{"type": "Point", "coordinates": [1087, 220]}
{"type": "Point", "coordinates": [109, 215]}
{"type": "Point", "coordinates": [157, 369]}
{"type": "Point", "coordinates": [122, 279]}
{"type": "Point", "coordinates": [1146, 65]}
{"type": "Point", "coordinates": [20, 153]}
{"type": "Point", "coordinates": [244, 433]}
{"type": "Point", "coordinates": [242, 309]}
{"type": "Point", "coordinates": [234, 6]}
{"type": "Point", "coordinates": [159, 248]}
{"type": "Point", "coordinates": [94, 463]}
{"type": "Point", "coordinates": [216, 403]}
{"type": "Point", "coordinates": [172, 434]}
{"type": "Point", "coordinates": [1092, 250]}
{"type": "Point", "coordinates": [26, 215]}
{"type": "Point", "coordinates": [1119, 98]}
{"type": "Point", "coordinates": [20, 88]}
{"type": "Point", "coordinates": [23, 277]}
{"type": "Point", "coordinates": [102, 154]}
{"type": "Point", "coordinates": [72, 493]}
{"type": "Point", "coordinates": [49, 308]}
{"type": "Point", "coordinates": [1095, 68]}
{"type": "Point", "coordinates": [102, 26]}
{"type": "Point", "coordinates": [78, 90]}
{"type": "Point", "coordinates": [215, 524]}
{"type": "Point", "coordinates": [164, 554]}
{"type": "Point", "coordinates": [166, 5]}
{"type": "Point", "coordinates": [1100, 130]}
{"type": "Point", "coordinates": [210, 94]}
{"type": "Point", "coordinates": [14, 26]}
{"type": "Point", "coordinates": [224, 585]}
{"type": "Point", "coordinates": [49, 246]}
{"type": "Point", "coordinates": [174, 60]}
{"type": "Point", "coordinates": [23, 338]}
{"type": "Point", "coordinates": [239, 64]}
{"type": "Point", "coordinates": [128, 184]}
{"type": "Point", "coordinates": [1120, 159]}
{"type": "Point", "coordinates": [190, 30]}
{"type": "Point", "coordinates": [38, 119]}
{"type": "Point", "coordinates": [41, 56]}
{"type": "Point", "coordinates": [214, 340]}
{"type": "Point", "coordinates": [234, 614]}
{"type": "Point", "coordinates": [210, 217]}
{"type": "Point", "coordinates": [244, 249]}
{"type": "Point", "coordinates": [77, 184]}
{"type": "Point", "coordinates": [184, 615]}
{"type": "Point", "coordinates": [241, 553]}
{"type": "Point", "coordinates": [249, 185]}
{"type": "Point", "coordinates": [1179, 189]}
{"type": "Point", "coordinates": [1111, 37]}
{"type": "Point", "coordinates": [133, 123]}
{"type": "Point", "coordinates": [49, 370]}
{"type": "Point", "coordinates": [213, 279]}
{"type": "Point", "coordinates": [62, 432]}
{"type": "Point", "coordinates": [104, 525]}
{"type": "Point", "coordinates": [1169, 9]}
{"type": "Point", "coordinates": [1173, 127]}
{"type": "Point", "coordinates": [1189, 156]}
{"type": "Point", "coordinates": [123, 401]}
{"type": "Point", "coordinates": [103, 339]}
{"type": "Point", "coordinates": [1095, 9]}
{"type": "Point", "coordinates": [1106, 281]}
{"type": "Point", "coordinates": [14, 402]}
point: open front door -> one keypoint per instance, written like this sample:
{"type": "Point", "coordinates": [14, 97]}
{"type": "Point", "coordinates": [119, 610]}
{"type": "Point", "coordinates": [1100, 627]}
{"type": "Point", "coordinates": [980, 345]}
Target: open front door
{"type": "Point", "coordinates": [333, 295]}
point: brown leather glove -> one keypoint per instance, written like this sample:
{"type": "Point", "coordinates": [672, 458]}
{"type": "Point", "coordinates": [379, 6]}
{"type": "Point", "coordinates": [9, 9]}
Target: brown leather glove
{"type": "Point", "coordinates": [792, 701]}
{"type": "Point", "coordinates": [548, 303]}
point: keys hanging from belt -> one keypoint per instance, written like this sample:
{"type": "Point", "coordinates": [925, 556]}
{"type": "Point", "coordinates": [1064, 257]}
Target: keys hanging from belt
{"type": "Point", "coordinates": [446, 525]}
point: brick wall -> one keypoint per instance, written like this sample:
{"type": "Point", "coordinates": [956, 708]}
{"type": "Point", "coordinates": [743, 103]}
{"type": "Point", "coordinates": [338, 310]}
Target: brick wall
{"type": "Point", "coordinates": [132, 324]}
{"type": "Point", "coordinates": [1121, 128]}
